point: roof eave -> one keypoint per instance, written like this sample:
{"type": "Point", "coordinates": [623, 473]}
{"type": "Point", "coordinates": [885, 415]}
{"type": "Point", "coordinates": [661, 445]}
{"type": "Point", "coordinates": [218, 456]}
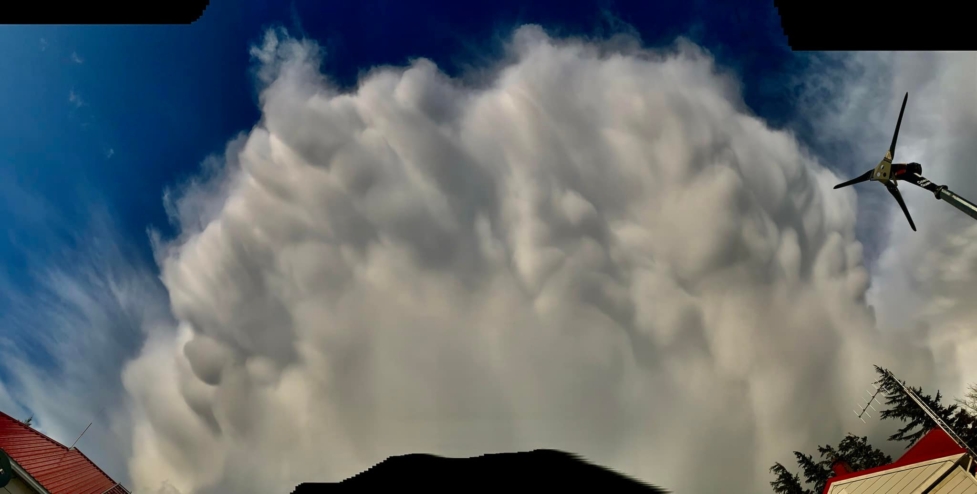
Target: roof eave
{"type": "Point", "coordinates": [957, 459]}
{"type": "Point", "coordinates": [26, 477]}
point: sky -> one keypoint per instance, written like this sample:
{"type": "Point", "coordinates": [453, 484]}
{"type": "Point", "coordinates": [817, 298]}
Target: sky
{"type": "Point", "coordinates": [291, 239]}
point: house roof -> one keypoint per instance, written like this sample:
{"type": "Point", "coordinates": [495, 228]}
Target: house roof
{"type": "Point", "coordinates": [934, 445]}
{"type": "Point", "coordinates": [59, 469]}
{"type": "Point", "coordinates": [957, 482]}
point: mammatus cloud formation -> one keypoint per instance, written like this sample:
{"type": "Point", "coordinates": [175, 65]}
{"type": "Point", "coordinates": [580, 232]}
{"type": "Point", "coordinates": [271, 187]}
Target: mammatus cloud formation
{"type": "Point", "coordinates": [599, 251]}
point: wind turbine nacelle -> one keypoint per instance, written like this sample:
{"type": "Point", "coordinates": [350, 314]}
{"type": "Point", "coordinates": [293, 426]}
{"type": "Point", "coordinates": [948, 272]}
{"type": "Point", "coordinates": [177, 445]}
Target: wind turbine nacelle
{"type": "Point", "coordinates": [906, 168]}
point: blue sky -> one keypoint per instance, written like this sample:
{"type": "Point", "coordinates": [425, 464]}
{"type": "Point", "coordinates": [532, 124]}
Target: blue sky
{"type": "Point", "coordinates": [114, 114]}
{"type": "Point", "coordinates": [99, 121]}
{"type": "Point", "coordinates": [117, 113]}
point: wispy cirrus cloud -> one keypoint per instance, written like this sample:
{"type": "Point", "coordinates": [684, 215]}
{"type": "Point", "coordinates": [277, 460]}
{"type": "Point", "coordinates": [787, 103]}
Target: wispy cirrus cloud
{"type": "Point", "coordinates": [75, 58]}
{"type": "Point", "coordinates": [66, 332]}
{"type": "Point", "coordinates": [9, 405]}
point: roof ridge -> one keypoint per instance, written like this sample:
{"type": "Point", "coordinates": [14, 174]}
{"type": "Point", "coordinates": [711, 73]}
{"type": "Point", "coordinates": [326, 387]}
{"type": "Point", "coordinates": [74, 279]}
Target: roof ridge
{"type": "Point", "coordinates": [66, 449]}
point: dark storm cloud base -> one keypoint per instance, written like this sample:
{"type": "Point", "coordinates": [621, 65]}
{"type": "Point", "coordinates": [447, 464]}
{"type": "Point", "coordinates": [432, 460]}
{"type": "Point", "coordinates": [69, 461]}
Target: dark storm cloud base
{"type": "Point", "coordinates": [538, 471]}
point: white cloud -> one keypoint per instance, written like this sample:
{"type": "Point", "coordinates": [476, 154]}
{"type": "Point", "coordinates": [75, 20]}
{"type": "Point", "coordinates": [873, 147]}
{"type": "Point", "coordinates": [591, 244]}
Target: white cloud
{"type": "Point", "coordinates": [109, 153]}
{"type": "Point", "coordinates": [76, 58]}
{"type": "Point", "coordinates": [43, 44]}
{"type": "Point", "coordinates": [923, 280]}
{"type": "Point", "coordinates": [927, 280]}
{"type": "Point", "coordinates": [596, 252]}
{"type": "Point", "coordinates": [75, 99]}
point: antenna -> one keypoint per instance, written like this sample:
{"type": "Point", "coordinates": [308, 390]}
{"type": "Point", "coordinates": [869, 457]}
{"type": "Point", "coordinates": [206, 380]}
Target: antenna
{"type": "Point", "coordinates": [74, 443]}
{"type": "Point", "coordinates": [79, 436]}
{"type": "Point", "coordinates": [933, 416]}
{"type": "Point", "coordinates": [868, 404]}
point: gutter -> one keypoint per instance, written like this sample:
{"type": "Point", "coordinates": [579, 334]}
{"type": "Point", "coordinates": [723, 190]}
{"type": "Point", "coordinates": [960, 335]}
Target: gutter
{"type": "Point", "coordinates": [117, 484]}
{"type": "Point", "coordinates": [26, 477]}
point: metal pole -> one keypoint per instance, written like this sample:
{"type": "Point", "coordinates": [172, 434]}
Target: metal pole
{"type": "Point", "coordinates": [958, 202]}
{"type": "Point", "coordinates": [74, 443]}
{"type": "Point", "coordinates": [79, 436]}
{"type": "Point", "coordinates": [942, 192]}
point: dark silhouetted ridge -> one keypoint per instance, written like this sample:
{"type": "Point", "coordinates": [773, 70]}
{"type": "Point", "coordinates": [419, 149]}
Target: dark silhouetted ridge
{"type": "Point", "coordinates": [542, 470]}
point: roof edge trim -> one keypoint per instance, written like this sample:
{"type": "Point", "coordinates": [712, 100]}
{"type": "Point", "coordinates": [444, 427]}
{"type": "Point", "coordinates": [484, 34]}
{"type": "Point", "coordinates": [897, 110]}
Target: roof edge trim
{"type": "Point", "coordinates": [31, 481]}
{"type": "Point", "coordinates": [953, 460]}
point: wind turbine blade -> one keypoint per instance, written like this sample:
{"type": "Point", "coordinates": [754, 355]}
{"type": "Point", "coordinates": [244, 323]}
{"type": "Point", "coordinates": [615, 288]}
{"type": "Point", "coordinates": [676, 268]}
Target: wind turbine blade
{"type": "Point", "coordinates": [895, 193]}
{"type": "Point", "coordinates": [861, 178]}
{"type": "Point", "coordinates": [891, 155]}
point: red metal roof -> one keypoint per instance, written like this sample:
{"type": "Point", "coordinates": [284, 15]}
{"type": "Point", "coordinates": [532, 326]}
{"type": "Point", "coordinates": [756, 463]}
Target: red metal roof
{"type": "Point", "coordinates": [58, 469]}
{"type": "Point", "coordinates": [935, 444]}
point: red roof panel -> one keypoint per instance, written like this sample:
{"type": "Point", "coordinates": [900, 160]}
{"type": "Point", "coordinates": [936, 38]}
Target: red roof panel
{"type": "Point", "coordinates": [935, 444]}
{"type": "Point", "coordinates": [58, 469]}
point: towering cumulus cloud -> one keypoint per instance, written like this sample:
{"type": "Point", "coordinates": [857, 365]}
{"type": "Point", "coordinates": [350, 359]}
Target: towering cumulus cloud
{"type": "Point", "coordinates": [597, 251]}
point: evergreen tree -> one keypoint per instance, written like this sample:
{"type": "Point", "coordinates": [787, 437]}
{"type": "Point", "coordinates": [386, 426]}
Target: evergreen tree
{"type": "Point", "coordinates": [854, 450]}
{"type": "Point", "coordinates": [786, 482]}
{"type": "Point", "coordinates": [965, 421]}
{"type": "Point", "coordinates": [815, 472]}
{"type": "Point", "coordinates": [969, 401]}
{"type": "Point", "coordinates": [965, 425]}
{"type": "Point", "coordinates": [960, 417]}
{"type": "Point", "coordinates": [903, 408]}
